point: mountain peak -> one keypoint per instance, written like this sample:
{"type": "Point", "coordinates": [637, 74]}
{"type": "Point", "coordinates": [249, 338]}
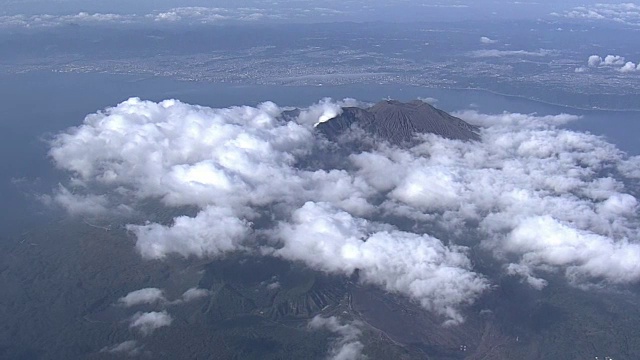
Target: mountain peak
{"type": "Point", "coordinates": [399, 122]}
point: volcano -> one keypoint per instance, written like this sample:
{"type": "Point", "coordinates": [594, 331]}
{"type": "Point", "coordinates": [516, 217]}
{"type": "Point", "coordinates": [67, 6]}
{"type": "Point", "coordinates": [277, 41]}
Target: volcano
{"type": "Point", "coordinates": [399, 122]}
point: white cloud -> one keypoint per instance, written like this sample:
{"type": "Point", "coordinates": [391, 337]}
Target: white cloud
{"type": "Point", "coordinates": [486, 40]}
{"type": "Point", "coordinates": [630, 167]}
{"type": "Point", "coordinates": [46, 20]}
{"type": "Point", "coordinates": [526, 273]}
{"type": "Point", "coordinates": [129, 347]}
{"type": "Point", "coordinates": [330, 240]}
{"type": "Point", "coordinates": [203, 14]}
{"type": "Point", "coordinates": [155, 296]}
{"type": "Point", "coordinates": [524, 169]}
{"type": "Point", "coordinates": [502, 53]}
{"type": "Point", "coordinates": [77, 204]}
{"type": "Point", "coordinates": [429, 100]}
{"type": "Point", "coordinates": [613, 60]}
{"type": "Point", "coordinates": [319, 113]}
{"type": "Point", "coordinates": [214, 231]}
{"type": "Point", "coordinates": [273, 285]}
{"type": "Point", "coordinates": [624, 13]}
{"type": "Point", "coordinates": [628, 67]}
{"type": "Point", "coordinates": [594, 60]}
{"type": "Point", "coordinates": [147, 323]}
{"type": "Point", "coordinates": [514, 121]}
{"type": "Point", "coordinates": [199, 15]}
{"type": "Point", "coordinates": [194, 294]}
{"type": "Point", "coordinates": [258, 184]}
{"type": "Point", "coordinates": [143, 296]}
{"type": "Point", "coordinates": [183, 15]}
{"type": "Point", "coordinates": [225, 161]}
{"type": "Point", "coordinates": [543, 241]}
{"type": "Point", "coordinates": [348, 345]}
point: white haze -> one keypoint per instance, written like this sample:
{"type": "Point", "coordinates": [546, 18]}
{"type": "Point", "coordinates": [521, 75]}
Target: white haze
{"type": "Point", "coordinates": [347, 346]}
{"type": "Point", "coordinates": [546, 198]}
{"type": "Point", "coordinates": [128, 348]}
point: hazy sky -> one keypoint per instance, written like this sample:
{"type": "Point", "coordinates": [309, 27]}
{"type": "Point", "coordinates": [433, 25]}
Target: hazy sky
{"type": "Point", "coordinates": [355, 10]}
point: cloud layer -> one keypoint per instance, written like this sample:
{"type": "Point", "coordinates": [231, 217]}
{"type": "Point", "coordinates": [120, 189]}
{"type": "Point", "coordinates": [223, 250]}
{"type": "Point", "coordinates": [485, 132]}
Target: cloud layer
{"type": "Point", "coordinates": [185, 15]}
{"type": "Point", "coordinates": [421, 266]}
{"type": "Point", "coordinates": [537, 197]}
{"type": "Point", "coordinates": [624, 13]}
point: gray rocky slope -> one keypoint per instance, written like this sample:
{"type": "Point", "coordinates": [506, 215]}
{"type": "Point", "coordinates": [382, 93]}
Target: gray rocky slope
{"type": "Point", "coordinates": [399, 122]}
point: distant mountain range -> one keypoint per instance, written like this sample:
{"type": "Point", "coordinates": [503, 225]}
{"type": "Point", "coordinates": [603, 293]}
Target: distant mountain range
{"type": "Point", "coordinates": [399, 122]}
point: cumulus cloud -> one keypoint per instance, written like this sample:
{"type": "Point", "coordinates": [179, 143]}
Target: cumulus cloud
{"type": "Point", "coordinates": [630, 167]}
{"type": "Point", "coordinates": [203, 14]}
{"type": "Point", "coordinates": [628, 67]}
{"type": "Point", "coordinates": [194, 294]}
{"type": "Point", "coordinates": [594, 60]}
{"type": "Point", "coordinates": [347, 346]}
{"type": "Point", "coordinates": [331, 240]}
{"type": "Point", "coordinates": [613, 61]}
{"type": "Point", "coordinates": [147, 323]}
{"type": "Point", "coordinates": [214, 231]}
{"type": "Point", "coordinates": [225, 161]}
{"type": "Point", "coordinates": [259, 182]}
{"type": "Point", "coordinates": [543, 241]}
{"type": "Point", "coordinates": [143, 296]}
{"type": "Point", "coordinates": [525, 169]}
{"type": "Point", "coordinates": [486, 40]}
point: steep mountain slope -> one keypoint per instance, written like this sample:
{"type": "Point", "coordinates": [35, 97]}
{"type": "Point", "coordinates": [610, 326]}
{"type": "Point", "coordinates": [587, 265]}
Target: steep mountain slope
{"type": "Point", "coordinates": [399, 122]}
